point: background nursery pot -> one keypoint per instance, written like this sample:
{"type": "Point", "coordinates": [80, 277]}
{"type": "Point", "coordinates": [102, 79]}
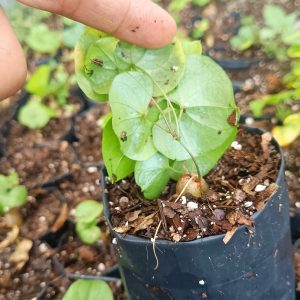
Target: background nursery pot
{"type": "Point", "coordinates": [256, 267]}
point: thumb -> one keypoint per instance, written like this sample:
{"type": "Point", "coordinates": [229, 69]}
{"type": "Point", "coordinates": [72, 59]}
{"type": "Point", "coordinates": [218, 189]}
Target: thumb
{"type": "Point", "coordinates": [140, 22]}
{"type": "Point", "coordinates": [12, 61]}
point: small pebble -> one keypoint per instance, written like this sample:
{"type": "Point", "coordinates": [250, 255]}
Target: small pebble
{"type": "Point", "coordinates": [248, 204]}
{"type": "Point", "coordinates": [260, 188]}
{"type": "Point", "coordinates": [191, 206]}
{"type": "Point", "coordinates": [201, 282]}
{"type": "Point", "coordinates": [183, 199]}
{"type": "Point", "coordinates": [235, 145]}
{"type": "Point", "coordinates": [114, 241]}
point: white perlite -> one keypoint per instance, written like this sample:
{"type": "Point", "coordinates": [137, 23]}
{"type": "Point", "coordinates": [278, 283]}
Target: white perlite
{"type": "Point", "coordinates": [183, 199]}
{"type": "Point", "coordinates": [192, 206]}
{"type": "Point", "coordinates": [201, 282]}
{"type": "Point", "coordinates": [235, 145]}
{"type": "Point", "coordinates": [260, 188]}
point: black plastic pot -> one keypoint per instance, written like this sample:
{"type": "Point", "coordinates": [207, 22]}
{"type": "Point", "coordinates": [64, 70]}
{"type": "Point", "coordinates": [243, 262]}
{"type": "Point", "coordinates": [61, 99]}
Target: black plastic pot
{"type": "Point", "coordinates": [295, 225]}
{"type": "Point", "coordinates": [258, 267]}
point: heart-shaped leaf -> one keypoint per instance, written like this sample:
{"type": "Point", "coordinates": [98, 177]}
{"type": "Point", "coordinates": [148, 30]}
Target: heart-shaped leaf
{"type": "Point", "coordinates": [118, 166]}
{"type": "Point", "coordinates": [165, 66]}
{"type": "Point", "coordinates": [206, 102]}
{"type": "Point", "coordinates": [152, 175]}
{"type": "Point", "coordinates": [129, 97]}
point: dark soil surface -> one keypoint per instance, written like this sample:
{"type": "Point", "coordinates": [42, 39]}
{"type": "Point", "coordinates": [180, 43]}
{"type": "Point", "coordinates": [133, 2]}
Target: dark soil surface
{"type": "Point", "coordinates": [40, 213]}
{"type": "Point", "coordinates": [89, 134]}
{"type": "Point", "coordinates": [20, 136]}
{"type": "Point", "coordinates": [238, 187]}
{"type": "Point", "coordinates": [39, 165]}
{"type": "Point", "coordinates": [82, 184]}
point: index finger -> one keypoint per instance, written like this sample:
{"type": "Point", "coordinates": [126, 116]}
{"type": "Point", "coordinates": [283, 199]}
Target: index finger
{"type": "Point", "coordinates": [140, 22]}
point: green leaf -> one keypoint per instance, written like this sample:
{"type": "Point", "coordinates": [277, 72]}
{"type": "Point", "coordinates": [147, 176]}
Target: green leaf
{"type": "Point", "coordinates": [35, 115]}
{"type": "Point", "coordinates": [88, 233]}
{"type": "Point", "coordinates": [8, 182]}
{"type": "Point", "coordinates": [289, 131]}
{"type": "Point", "coordinates": [100, 64]}
{"type": "Point", "coordinates": [39, 81]}
{"type": "Point", "coordinates": [206, 101]}
{"type": "Point", "coordinates": [72, 34]}
{"type": "Point", "coordinates": [245, 38]}
{"type": "Point", "coordinates": [16, 197]}
{"type": "Point", "coordinates": [11, 193]}
{"type": "Point", "coordinates": [129, 98]}
{"type": "Point", "coordinates": [152, 175]}
{"type": "Point", "coordinates": [43, 40]}
{"type": "Point", "coordinates": [89, 36]}
{"type": "Point", "coordinates": [274, 16]}
{"type": "Point", "coordinates": [89, 290]}
{"type": "Point", "coordinates": [191, 47]}
{"type": "Point", "coordinates": [128, 54]}
{"type": "Point", "coordinates": [294, 51]}
{"type": "Point", "coordinates": [88, 211]}
{"type": "Point", "coordinates": [118, 166]}
{"type": "Point", "coordinates": [165, 66]}
{"type": "Point", "coordinates": [205, 161]}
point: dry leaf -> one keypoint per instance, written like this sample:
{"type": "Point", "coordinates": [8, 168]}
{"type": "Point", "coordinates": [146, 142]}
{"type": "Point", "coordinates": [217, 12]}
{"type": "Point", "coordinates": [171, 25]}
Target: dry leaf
{"type": "Point", "coordinates": [248, 187]}
{"type": "Point", "coordinates": [265, 140]}
{"type": "Point", "coordinates": [10, 237]}
{"type": "Point", "coordinates": [143, 223]}
{"type": "Point", "coordinates": [244, 220]}
{"type": "Point", "coordinates": [21, 254]}
{"type": "Point", "coordinates": [122, 229]}
{"type": "Point", "coordinates": [229, 235]}
{"type": "Point", "coordinates": [176, 237]}
{"type": "Point", "coordinates": [61, 219]}
{"type": "Point", "coordinates": [132, 216]}
{"type": "Point", "coordinates": [169, 212]}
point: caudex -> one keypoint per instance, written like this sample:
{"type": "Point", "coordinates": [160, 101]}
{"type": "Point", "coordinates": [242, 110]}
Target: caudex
{"type": "Point", "coordinates": [173, 113]}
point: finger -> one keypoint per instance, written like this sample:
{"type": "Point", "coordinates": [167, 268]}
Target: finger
{"type": "Point", "coordinates": [12, 60]}
{"type": "Point", "coordinates": [141, 22]}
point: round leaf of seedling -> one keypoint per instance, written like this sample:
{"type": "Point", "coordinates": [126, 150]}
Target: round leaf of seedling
{"type": "Point", "coordinates": [208, 115]}
{"type": "Point", "coordinates": [89, 290]}
{"type": "Point", "coordinates": [129, 98]}
{"type": "Point", "coordinates": [89, 37]}
{"type": "Point", "coordinates": [89, 234]}
{"type": "Point", "coordinates": [88, 211]}
{"type": "Point", "coordinates": [152, 175]}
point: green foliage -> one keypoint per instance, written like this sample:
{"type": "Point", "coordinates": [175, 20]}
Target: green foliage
{"type": "Point", "coordinates": [282, 99]}
{"type": "Point", "coordinates": [86, 216]}
{"type": "Point", "coordinates": [72, 32]}
{"type": "Point", "coordinates": [169, 106]}
{"type": "Point", "coordinates": [89, 290]}
{"type": "Point", "coordinates": [42, 39]}
{"type": "Point", "coordinates": [11, 193]}
{"type": "Point", "coordinates": [48, 80]}
{"type": "Point", "coordinates": [289, 131]}
{"type": "Point", "coordinates": [199, 29]}
{"type": "Point", "coordinates": [35, 114]}
{"type": "Point", "coordinates": [280, 30]}
{"type": "Point", "coordinates": [118, 166]}
{"type": "Point", "coordinates": [24, 18]}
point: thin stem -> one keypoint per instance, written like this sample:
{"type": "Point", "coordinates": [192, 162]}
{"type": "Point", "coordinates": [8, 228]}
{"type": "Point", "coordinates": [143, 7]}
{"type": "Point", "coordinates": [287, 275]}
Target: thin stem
{"type": "Point", "coordinates": [193, 159]}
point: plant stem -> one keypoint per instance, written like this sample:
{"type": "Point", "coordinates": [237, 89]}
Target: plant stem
{"type": "Point", "coordinates": [192, 157]}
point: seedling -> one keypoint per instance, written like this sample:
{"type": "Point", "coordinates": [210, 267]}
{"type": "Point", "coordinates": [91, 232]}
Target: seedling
{"type": "Point", "coordinates": [280, 31]}
{"type": "Point", "coordinates": [86, 218]}
{"type": "Point", "coordinates": [49, 80]}
{"type": "Point", "coordinates": [173, 110]}
{"type": "Point", "coordinates": [12, 194]}
{"type": "Point", "coordinates": [285, 103]}
{"type": "Point", "coordinates": [89, 290]}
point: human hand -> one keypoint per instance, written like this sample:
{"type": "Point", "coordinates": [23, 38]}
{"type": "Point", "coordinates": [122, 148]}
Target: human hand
{"type": "Point", "coordinates": [140, 22]}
